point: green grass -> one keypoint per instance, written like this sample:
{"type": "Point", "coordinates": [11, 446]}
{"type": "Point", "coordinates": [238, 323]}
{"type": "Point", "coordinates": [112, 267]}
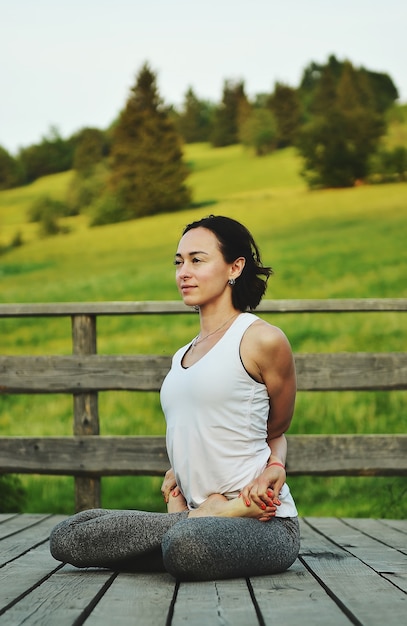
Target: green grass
{"type": "Point", "coordinates": [327, 244]}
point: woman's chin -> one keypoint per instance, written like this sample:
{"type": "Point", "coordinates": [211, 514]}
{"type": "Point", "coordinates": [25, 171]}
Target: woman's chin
{"type": "Point", "coordinates": [189, 300]}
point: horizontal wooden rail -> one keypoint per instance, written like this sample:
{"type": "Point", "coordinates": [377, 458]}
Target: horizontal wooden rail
{"type": "Point", "coordinates": [86, 373]}
{"type": "Point", "coordinates": [82, 373]}
{"type": "Point", "coordinates": [162, 307]}
{"type": "Point", "coordinates": [318, 455]}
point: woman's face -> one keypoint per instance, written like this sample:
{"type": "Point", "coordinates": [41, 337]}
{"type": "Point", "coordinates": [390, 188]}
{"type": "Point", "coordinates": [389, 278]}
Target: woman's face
{"type": "Point", "coordinates": [202, 273]}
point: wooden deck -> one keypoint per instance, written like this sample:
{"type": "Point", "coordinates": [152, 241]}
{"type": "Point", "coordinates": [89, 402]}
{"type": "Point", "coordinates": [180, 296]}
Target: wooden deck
{"type": "Point", "coordinates": [350, 571]}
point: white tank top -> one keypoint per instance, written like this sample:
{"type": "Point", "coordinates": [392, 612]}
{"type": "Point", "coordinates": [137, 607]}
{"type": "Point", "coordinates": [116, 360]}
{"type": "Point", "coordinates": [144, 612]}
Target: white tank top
{"type": "Point", "coordinates": [216, 416]}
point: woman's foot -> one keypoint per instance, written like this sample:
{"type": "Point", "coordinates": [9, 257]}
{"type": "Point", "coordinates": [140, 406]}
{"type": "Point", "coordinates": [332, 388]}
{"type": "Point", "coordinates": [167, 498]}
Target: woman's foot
{"type": "Point", "coordinates": [176, 503]}
{"type": "Point", "coordinates": [219, 506]}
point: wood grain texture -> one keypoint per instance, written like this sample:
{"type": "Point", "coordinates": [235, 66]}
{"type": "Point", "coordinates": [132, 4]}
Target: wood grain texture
{"type": "Point", "coordinates": [326, 455]}
{"type": "Point", "coordinates": [295, 598]}
{"type": "Point", "coordinates": [79, 374]}
{"type": "Point", "coordinates": [360, 590]}
{"type": "Point", "coordinates": [162, 307]}
{"type": "Point", "coordinates": [85, 410]}
{"type": "Point", "coordinates": [137, 598]}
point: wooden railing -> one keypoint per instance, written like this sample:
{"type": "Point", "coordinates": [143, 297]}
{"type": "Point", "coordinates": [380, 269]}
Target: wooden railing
{"type": "Point", "coordinates": [88, 456]}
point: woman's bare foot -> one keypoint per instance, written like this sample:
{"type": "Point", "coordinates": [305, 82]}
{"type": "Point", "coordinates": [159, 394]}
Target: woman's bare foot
{"type": "Point", "coordinates": [176, 503]}
{"type": "Point", "coordinates": [219, 506]}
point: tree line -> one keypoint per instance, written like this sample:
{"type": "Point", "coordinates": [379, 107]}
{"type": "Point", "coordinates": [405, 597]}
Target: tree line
{"type": "Point", "coordinates": [335, 118]}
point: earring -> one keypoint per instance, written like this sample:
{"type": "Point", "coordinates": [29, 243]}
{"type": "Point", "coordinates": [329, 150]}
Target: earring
{"type": "Point", "coordinates": [231, 282]}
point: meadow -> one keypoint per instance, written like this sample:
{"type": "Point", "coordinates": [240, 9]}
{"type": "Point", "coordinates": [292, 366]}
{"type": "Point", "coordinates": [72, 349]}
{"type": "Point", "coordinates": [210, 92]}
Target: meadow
{"type": "Point", "coordinates": [326, 244]}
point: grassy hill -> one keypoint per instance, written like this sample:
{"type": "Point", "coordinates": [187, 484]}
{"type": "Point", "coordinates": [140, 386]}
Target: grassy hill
{"type": "Point", "coordinates": [332, 243]}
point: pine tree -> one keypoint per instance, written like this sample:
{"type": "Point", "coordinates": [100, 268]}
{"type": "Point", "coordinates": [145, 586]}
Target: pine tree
{"type": "Point", "coordinates": [195, 119]}
{"type": "Point", "coordinates": [344, 130]}
{"type": "Point", "coordinates": [147, 171]}
{"type": "Point", "coordinates": [91, 147]}
{"type": "Point", "coordinates": [10, 170]}
{"type": "Point", "coordinates": [285, 105]}
{"type": "Point", "coordinates": [259, 131]}
{"type": "Point", "coordinates": [230, 115]}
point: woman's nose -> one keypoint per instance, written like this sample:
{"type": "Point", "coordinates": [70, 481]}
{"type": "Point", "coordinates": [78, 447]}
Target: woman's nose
{"type": "Point", "coordinates": [184, 271]}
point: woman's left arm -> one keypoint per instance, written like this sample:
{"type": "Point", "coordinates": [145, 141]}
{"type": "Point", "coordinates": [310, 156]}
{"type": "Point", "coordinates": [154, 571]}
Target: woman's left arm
{"type": "Point", "coordinates": [268, 357]}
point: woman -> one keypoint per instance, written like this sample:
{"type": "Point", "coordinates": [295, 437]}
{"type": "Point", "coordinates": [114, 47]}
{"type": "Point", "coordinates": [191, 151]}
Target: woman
{"type": "Point", "coordinates": [228, 400]}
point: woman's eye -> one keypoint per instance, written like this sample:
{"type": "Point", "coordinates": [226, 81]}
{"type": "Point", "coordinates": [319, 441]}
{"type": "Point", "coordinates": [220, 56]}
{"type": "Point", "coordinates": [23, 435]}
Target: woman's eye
{"type": "Point", "coordinates": [195, 260]}
{"type": "Point", "coordinates": [177, 262]}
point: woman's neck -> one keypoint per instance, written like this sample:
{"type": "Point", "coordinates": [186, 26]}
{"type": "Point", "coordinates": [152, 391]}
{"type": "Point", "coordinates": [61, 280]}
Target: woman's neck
{"type": "Point", "coordinates": [214, 325]}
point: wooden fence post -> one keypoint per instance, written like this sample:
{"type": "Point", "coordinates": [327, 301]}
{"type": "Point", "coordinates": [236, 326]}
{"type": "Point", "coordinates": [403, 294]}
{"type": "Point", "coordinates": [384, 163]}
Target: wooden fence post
{"type": "Point", "coordinates": [85, 407]}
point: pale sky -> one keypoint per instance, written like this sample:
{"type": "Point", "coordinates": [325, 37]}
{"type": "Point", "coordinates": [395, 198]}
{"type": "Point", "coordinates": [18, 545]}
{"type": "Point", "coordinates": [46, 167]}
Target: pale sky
{"type": "Point", "coordinates": [71, 64]}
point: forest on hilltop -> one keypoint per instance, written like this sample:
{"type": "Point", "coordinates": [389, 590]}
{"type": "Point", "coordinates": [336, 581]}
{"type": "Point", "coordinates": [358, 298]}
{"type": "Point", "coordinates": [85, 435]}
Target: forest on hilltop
{"type": "Point", "coordinates": [336, 118]}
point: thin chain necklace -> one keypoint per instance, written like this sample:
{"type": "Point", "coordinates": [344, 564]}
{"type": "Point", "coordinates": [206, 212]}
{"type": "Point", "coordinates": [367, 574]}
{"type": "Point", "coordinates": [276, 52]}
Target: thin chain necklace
{"type": "Point", "coordinates": [199, 339]}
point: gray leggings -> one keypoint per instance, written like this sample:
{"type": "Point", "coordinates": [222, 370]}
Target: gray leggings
{"type": "Point", "coordinates": [200, 548]}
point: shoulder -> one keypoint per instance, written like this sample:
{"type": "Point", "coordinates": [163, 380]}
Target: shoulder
{"type": "Point", "coordinates": [265, 336]}
{"type": "Point", "coordinates": [265, 348]}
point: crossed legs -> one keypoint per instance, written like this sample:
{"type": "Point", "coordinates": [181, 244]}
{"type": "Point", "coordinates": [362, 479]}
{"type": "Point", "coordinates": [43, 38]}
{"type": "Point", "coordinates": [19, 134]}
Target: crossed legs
{"type": "Point", "coordinates": [189, 548]}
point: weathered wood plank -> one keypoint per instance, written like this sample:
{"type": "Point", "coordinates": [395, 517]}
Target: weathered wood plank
{"type": "Point", "coordinates": [82, 374]}
{"type": "Point", "coordinates": [18, 577]}
{"type": "Point", "coordinates": [294, 598]}
{"type": "Point", "coordinates": [65, 309]}
{"type": "Point", "coordinates": [360, 591]}
{"type": "Point", "coordinates": [135, 598]}
{"type": "Point", "coordinates": [327, 455]}
{"type": "Point", "coordinates": [5, 516]}
{"type": "Point", "coordinates": [20, 541]}
{"type": "Point", "coordinates": [17, 523]}
{"type": "Point", "coordinates": [68, 595]}
{"type": "Point", "coordinates": [351, 371]}
{"type": "Point", "coordinates": [68, 309]}
{"type": "Point", "coordinates": [81, 456]}
{"type": "Point", "coordinates": [85, 409]}
{"type": "Point", "coordinates": [218, 603]}
{"type": "Point", "coordinates": [384, 559]}
{"type": "Point", "coordinates": [381, 547]}
{"type": "Point", "coordinates": [397, 524]}
{"type": "Point", "coordinates": [347, 455]}
{"type": "Point", "coordinates": [383, 530]}
{"type": "Point", "coordinates": [334, 305]}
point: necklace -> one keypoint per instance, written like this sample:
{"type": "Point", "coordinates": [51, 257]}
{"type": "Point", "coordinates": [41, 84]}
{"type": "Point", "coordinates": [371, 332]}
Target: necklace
{"type": "Point", "coordinates": [199, 339]}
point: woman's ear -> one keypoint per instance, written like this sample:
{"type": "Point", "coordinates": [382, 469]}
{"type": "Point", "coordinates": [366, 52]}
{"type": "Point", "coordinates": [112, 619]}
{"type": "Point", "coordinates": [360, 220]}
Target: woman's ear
{"type": "Point", "coordinates": [237, 267]}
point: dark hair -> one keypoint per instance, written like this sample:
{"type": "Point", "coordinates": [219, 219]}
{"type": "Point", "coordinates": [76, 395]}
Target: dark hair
{"type": "Point", "coordinates": [236, 241]}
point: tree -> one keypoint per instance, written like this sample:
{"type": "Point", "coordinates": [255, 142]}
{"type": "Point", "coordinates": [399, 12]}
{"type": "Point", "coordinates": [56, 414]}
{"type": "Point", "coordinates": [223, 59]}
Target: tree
{"type": "Point", "coordinates": [91, 147]}
{"type": "Point", "coordinates": [147, 173]}
{"type": "Point", "coordinates": [382, 88]}
{"type": "Point", "coordinates": [310, 82]}
{"type": "Point", "coordinates": [195, 118]}
{"type": "Point", "coordinates": [54, 154]}
{"type": "Point", "coordinates": [85, 189]}
{"type": "Point", "coordinates": [90, 169]}
{"type": "Point", "coordinates": [343, 132]}
{"type": "Point", "coordinates": [10, 171]}
{"type": "Point", "coordinates": [389, 165]}
{"type": "Point", "coordinates": [286, 107]}
{"type": "Point", "coordinates": [230, 115]}
{"type": "Point", "coordinates": [259, 131]}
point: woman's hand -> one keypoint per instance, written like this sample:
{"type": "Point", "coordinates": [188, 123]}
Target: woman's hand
{"type": "Point", "coordinates": [265, 489]}
{"type": "Point", "coordinates": [169, 486]}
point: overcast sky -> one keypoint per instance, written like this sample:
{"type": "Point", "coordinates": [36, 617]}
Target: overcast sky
{"type": "Point", "coordinates": [71, 64]}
